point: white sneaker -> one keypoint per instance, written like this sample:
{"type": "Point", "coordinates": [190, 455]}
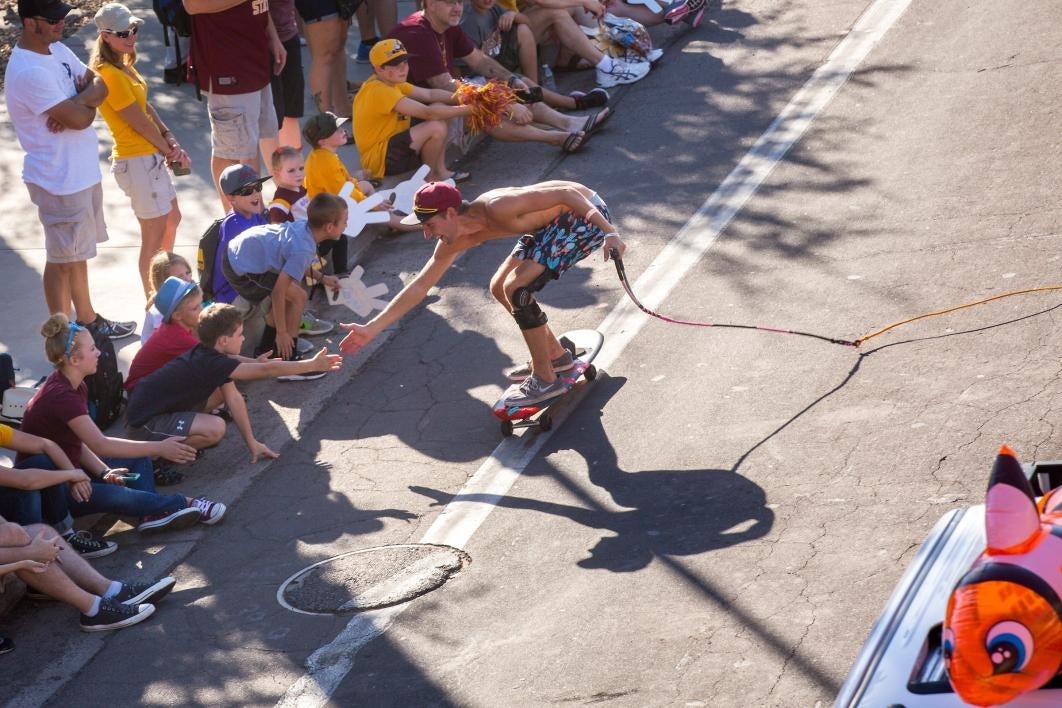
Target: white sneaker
{"type": "Point", "coordinates": [622, 73]}
{"type": "Point", "coordinates": [211, 511]}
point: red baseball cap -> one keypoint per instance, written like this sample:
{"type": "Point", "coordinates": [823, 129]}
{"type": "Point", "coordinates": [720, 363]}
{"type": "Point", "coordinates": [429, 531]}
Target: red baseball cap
{"type": "Point", "coordinates": [431, 199]}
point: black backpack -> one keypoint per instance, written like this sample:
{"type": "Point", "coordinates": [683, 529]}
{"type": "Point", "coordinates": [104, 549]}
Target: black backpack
{"type": "Point", "coordinates": [171, 13]}
{"type": "Point", "coordinates": [206, 257]}
{"type": "Point", "coordinates": [106, 392]}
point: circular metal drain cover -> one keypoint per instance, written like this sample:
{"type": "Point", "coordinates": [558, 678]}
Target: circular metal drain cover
{"type": "Point", "coordinates": [371, 578]}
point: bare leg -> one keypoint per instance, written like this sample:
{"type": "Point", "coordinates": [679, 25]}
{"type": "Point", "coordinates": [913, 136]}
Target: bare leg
{"type": "Point", "coordinates": [341, 106]}
{"type": "Point", "coordinates": [207, 431]}
{"type": "Point", "coordinates": [57, 288]}
{"type": "Point", "coordinates": [323, 39]}
{"type": "Point", "coordinates": [527, 51]}
{"type": "Point", "coordinates": [77, 277]}
{"type": "Point", "coordinates": [152, 237]}
{"type": "Point", "coordinates": [542, 344]}
{"type": "Point", "coordinates": [526, 133]}
{"type": "Point", "coordinates": [545, 114]}
{"type": "Point", "coordinates": [217, 166]}
{"type": "Point", "coordinates": [70, 580]}
{"type": "Point", "coordinates": [385, 14]}
{"type": "Point", "coordinates": [290, 133]}
{"type": "Point", "coordinates": [267, 146]}
{"type": "Point", "coordinates": [429, 140]}
{"type": "Point", "coordinates": [559, 24]}
{"type": "Point", "coordinates": [639, 13]}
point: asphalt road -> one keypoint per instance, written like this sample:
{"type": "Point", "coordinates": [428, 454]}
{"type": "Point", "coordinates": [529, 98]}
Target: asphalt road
{"type": "Point", "coordinates": [722, 517]}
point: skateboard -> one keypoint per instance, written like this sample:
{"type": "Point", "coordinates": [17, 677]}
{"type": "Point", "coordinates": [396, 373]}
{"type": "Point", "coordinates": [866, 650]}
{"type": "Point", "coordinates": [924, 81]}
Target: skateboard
{"type": "Point", "coordinates": [586, 341]}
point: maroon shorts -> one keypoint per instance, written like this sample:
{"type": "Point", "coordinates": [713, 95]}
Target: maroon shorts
{"type": "Point", "coordinates": [401, 157]}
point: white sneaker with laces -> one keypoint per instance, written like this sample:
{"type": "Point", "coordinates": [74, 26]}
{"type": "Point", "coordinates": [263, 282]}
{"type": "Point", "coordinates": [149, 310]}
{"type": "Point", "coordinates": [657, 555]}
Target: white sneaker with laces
{"type": "Point", "coordinates": [622, 72]}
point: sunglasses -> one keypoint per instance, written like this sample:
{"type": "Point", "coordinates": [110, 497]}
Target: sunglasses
{"type": "Point", "coordinates": [248, 190]}
{"type": "Point", "coordinates": [124, 34]}
{"type": "Point", "coordinates": [74, 329]}
{"type": "Point", "coordinates": [53, 23]}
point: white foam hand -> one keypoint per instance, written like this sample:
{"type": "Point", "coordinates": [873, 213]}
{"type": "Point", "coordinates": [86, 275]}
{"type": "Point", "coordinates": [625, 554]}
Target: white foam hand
{"type": "Point", "coordinates": [360, 298]}
{"type": "Point", "coordinates": [360, 214]}
{"type": "Point", "coordinates": [401, 197]}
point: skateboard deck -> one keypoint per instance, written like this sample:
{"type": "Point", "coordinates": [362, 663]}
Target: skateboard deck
{"type": "Point", "coordinates": [586, 341]}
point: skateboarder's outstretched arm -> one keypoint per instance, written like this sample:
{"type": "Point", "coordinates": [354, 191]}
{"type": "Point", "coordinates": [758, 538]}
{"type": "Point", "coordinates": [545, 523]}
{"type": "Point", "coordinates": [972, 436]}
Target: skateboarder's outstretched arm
{"type": "Point", "coordinates": [403, 302]}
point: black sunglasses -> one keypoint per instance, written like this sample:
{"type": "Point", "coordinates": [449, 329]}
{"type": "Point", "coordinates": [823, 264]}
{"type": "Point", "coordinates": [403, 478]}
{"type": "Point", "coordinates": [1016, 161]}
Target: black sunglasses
{"type": "Point", "coordinates": [248, 190]}
{"type": "Point", "coordinates": [53, 23]}
{"type": "Point", "coordinates": [124, 34]}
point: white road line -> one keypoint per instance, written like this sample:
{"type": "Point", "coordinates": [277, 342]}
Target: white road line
{"type": "Point", "coordinates": [329, 665]}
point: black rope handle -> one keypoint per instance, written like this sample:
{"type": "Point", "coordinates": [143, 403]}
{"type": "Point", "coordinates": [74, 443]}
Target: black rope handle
{"type": "Point", "coordinates": [622, 273]}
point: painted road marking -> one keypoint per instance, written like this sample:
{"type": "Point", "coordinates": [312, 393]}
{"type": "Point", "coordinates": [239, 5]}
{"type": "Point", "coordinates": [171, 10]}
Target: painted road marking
{"type": "Point", "coordinates": [328, 666]}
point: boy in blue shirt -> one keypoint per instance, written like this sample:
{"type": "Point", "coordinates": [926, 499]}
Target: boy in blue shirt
{"type": "Point", "coordinates": [243, 188]}
{"type": "Point", "coordinates": [270, 261]}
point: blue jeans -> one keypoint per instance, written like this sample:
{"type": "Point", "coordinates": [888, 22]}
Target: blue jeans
{"type": "Point", "coordinates": [37, 506]}
{"type": "Point", "coordinates": [137, 499]}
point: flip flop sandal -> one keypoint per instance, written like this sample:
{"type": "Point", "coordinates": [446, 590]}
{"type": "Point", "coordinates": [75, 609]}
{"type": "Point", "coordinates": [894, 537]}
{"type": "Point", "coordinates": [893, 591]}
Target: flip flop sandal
{"type": "Point", "coordinates": [574, 142]}
{"type": "Point", "coordinates": [459, 177]}
{"type": "Point", "coordinates": [167, 476]}
{"type": "Point", "coordinates": [595, 120]}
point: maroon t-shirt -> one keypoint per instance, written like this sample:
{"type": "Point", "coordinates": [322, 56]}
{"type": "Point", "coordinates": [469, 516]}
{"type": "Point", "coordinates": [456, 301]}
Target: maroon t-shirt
{"type": "Point", "coordinates": [230, 49]}
{"type": "Point", "coordinates": [430, 53]}
{"type": "Point", "coordinates": [51, 409]}
{"type": "Point", "coordinates": [167, 343]}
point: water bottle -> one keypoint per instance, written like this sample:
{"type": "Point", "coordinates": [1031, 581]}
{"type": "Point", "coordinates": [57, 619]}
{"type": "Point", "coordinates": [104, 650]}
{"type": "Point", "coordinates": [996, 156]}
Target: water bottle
{"type": "Point", "coordinates": [546, 78]}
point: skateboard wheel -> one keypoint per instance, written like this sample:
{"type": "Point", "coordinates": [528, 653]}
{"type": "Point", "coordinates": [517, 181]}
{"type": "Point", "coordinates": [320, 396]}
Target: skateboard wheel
{"type": "Point", "coordinates": [545, 422]}
{"type": "Point", "coordinates": [507, 428]}
{"type": "Point", "coordinates": [590, 373]}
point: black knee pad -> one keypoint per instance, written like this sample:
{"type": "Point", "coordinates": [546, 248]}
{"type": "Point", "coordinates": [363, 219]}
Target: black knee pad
{"type": "Point", "coordinates": [529, 315]}
{"type": "Point", "coordinates": [526, 311]}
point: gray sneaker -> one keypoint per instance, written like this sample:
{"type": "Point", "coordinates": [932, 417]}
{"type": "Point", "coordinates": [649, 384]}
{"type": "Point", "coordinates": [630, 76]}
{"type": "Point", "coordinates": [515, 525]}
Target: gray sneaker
{"type": "Point", "coordinates": [562, 363]}
{"type": "Point", "coordinates": [533, 390]}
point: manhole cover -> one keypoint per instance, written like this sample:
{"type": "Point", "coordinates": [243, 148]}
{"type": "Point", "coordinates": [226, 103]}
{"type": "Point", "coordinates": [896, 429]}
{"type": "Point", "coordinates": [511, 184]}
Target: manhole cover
{"type": "Point", "coordinates": [371, 578]}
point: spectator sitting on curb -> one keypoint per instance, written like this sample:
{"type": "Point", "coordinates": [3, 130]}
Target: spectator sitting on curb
{"type": "Point", "coordinates": [505, 36]}
{"type": "Point", "coordinates": [164, 264]}
{"type": "Point", "coordinates": [270, 261]}
{"type": "Point", "coordinates": [52, 99]}
{"type": "Point", "coordinates": [387, 141]}
{"type": "Point", "coordinates": [180, 302]}
{"type": "Point", "coordinates": [289, 200]}
{"type": "Point", "coordinates": [53, 569]}
{"type": "Point", "coordinates": [59, 412]}
{"type": "Point", "coordinates": [175, 399]}
{"type": "Point", "coordinates": [289, 204]}
{"type": "Point", "coordinates": [29, 494]}
{"type": "Point", "coordinates": [326, 173]}
{"type": "Point", "coordinates": [243, 191]}
{"type": "Point", "coordinates": [143, 146]}
{"type": "Point", "coordinates": [435, 41]}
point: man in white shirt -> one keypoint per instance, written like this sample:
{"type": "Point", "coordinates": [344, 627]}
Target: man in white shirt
{"type": "Point", "coordinates": [52, 98]}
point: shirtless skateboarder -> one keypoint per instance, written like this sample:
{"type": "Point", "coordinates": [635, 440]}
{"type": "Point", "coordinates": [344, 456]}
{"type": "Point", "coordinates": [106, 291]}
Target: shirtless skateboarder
{"type": "Point", "coordinates": [562, 222]}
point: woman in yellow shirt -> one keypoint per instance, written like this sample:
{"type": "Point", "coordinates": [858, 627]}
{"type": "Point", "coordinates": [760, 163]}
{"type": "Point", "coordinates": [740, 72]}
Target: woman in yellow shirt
{"type": "Point", "coordinates": [143, 145]}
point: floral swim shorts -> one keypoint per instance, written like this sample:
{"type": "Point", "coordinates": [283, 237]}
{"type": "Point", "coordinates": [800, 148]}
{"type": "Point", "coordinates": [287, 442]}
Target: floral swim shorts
{"type": "Point", "coordinates": [563, 242]}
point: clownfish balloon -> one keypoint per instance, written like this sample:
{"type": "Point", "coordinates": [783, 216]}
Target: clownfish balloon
{"type": "Point", "coordinates": [1003, 628]}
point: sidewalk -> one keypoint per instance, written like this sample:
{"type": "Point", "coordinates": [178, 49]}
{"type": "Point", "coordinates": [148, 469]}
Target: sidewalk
{"type": "Point", "coordinates": [113, 275]}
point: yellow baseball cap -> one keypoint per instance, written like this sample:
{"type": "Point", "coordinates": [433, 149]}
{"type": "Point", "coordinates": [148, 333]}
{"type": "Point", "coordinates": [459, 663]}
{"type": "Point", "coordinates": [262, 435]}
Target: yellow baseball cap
{"type": "Point", "coordinates": [386, 50]}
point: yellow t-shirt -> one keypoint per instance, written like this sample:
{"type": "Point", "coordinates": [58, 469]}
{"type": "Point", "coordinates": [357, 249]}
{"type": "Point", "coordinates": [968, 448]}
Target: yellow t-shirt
{"type": "Point", "coordinates": [122, 91]}
{"type": "Point", "coordinates": [376, 121]}
{"type": "Point", "coordinates": [326, 173]}
{"type": "Point", "coordinates": [6, 436]}
{"type": "Point", "coordinates": [511, 5]}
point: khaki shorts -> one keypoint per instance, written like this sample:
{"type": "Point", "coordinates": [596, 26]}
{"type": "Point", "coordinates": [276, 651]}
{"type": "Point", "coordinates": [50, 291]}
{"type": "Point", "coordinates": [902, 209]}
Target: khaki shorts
{"type": "Point", "coordinates": [239, 121]}
{"type": "Point", "coordinates": [73, 223]}
{"type": "Point", "coordinates": [146, 181]}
